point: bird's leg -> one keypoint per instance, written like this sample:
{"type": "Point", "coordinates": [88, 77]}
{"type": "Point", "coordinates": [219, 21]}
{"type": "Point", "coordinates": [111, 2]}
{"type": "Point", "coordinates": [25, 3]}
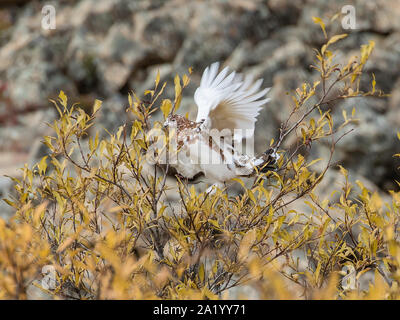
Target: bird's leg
{"type": "Point", "coordinates": [267, 161]}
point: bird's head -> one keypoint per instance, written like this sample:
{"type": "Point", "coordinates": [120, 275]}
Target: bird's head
{"type": "Point", "coordinates": [204, 123]}
{"type": "Point", "coordinates": [171, 122]}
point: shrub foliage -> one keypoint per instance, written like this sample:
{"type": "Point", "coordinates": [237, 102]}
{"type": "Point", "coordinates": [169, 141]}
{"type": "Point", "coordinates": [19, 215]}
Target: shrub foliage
{"type": "Point", "coordinates": [97, 216]}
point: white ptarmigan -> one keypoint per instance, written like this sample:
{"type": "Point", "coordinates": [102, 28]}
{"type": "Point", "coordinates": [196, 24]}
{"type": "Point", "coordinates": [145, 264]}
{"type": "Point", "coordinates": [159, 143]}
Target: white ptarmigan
{"type": "Point", "coordinates": [228, 106]}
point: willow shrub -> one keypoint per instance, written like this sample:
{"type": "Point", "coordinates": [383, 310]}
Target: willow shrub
{"type": "Point", "coordinates": [96, 216]}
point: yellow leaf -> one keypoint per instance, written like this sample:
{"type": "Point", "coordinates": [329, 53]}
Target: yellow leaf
{"type": "Point", "coordinates": [251, 196]}
{"type": "Point", "coordinates": [239, 181]}
{"type": "Point", "coordinates": [246, 244]}
{"type": "Point", "coordinates": [336, 38]}
{"type": "Point", "coordinates": [373, 83]}
{"type": "Point", "coordinates": [47, 142]}
{"type": "Point", "coordinates": [376, 202]}
{"type": "Point", "coordinates": [271, 142]}
{"type": "Point", "coordinates": [42, 165]}
{"type": "Point", "coordinates": [65, 244]}
{"type": "Point", "coordinates": [166, 107]}
{"type": "Point", "coordinates": [10, 203]}
{"type": "Point", "coordinates": [178, 92]}
{"type": "Point", "coordinates": [130, 99]}
{"type": "Point", "coordinates": [96, 106]}
{"type": "Point", "coordinates": [158, 78]}
{"type": "Point", "coordinates": [119, 132]}
{"type": "Point", "coordinates": [215, 267]}
{"type": "Point", "coordinates": [313, 162]}
{"type": "Point", "coordinates": [201, 272]}
{"type": "Point", "coordinates": [343, 171]}
{"type": "Point", "coordinates": [63, 99]}
{"type": "Point", "coordinates": [335, 17]}
{"type": "Point", "coordinates": [214, 223]}
{"type": "Point", "coordinates": [185, 80]}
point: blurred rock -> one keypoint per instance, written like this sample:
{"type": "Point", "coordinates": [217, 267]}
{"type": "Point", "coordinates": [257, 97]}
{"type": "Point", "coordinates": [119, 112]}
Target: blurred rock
{"type": "Point", "coordinates": [368, 150]}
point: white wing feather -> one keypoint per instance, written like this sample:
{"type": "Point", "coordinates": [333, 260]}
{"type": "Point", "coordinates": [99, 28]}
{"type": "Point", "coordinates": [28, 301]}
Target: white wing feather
{"type": "Point", "coordinates": [229, 101]}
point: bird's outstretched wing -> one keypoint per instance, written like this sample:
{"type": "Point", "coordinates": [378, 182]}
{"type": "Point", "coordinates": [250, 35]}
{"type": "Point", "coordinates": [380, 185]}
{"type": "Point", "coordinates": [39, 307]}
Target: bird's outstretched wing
{"type": "Point", "coordinates": [229, 101]}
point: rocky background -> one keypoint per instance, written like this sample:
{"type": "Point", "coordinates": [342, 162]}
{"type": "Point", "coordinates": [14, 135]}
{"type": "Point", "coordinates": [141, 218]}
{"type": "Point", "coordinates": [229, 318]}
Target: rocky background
{"type": "Point", "coordinates": [106, 48]}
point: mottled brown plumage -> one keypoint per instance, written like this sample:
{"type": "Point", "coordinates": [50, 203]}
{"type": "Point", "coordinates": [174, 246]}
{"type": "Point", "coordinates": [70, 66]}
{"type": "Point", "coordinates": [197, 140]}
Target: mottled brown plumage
{"type": "Point", "coordinates": [227, 109]}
